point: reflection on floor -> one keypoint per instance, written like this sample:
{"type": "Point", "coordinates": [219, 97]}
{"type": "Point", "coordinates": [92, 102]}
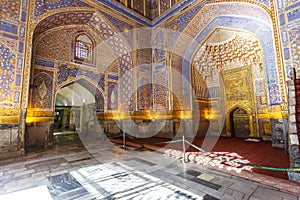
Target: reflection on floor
{"type": "Point", "coordinates": [103, 170]}
{"type": "Point", "coordinates": [114, 181]}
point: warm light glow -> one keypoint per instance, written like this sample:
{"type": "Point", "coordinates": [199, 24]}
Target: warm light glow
{"type": "Point", "coordinates": [117, 115]}
{"type": "Point", "coordinates": [208, 114]}
{"type": "Point", "coordinates": [186, 115]}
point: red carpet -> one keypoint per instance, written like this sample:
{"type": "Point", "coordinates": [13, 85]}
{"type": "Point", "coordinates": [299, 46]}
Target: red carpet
{"type": "Point", "coordinates": [256, 153]}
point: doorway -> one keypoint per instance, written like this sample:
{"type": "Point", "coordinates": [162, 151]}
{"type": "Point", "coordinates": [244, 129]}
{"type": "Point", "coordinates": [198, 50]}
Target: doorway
{"type": "Point", "coordinates": [239, 123]}
{"type": "Point", "coordinates": [76, 105]}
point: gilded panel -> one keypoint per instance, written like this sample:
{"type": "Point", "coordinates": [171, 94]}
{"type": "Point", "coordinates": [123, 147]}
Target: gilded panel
{"type": "Point", "coordinates": [238, 88]}
{"type": "Point", "coordinates": [9, 115]}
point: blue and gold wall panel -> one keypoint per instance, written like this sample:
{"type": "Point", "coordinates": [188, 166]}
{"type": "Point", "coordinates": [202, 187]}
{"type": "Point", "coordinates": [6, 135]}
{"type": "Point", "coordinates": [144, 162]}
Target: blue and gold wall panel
{"type": "Point", "coordinates": [13, 16]}
{"type": "Point", "coordinates": [289, 16]}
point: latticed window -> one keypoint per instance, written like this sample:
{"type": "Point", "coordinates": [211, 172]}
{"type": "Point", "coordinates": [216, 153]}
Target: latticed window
{"type": "Point", "coordinates": [83, 48]}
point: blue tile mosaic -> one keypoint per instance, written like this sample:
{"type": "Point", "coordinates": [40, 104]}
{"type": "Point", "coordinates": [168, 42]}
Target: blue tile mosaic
{"type": "Point", "coordinates": [44, 63]}
{"type": "Point", "coordinates": [113, 77]}
{"type": "Point", "coordinates": [18, 79]}
{"type": "Point", "coordinates": [286, 52]}
{"type": "Point", "coordinates": [126, 30]}
{"type": "Point", "coordinates": [282, 19]}
{"type": "Point", "coordinates": [7, 75]}
{"type": "Point", "coordinates": [10, 36]}
{"type": "Point", "coordinates": [284, 36]}
{"type": "Point", "coordinates": [294, 24]}
{"type": "Point", "coordinates": [292, 6]}
{"type": "Point", "coordinates": [22, 31]}
{"type": "Point", "coordinates": [7, 27]}
{"type": "Point", "coordinates": [279, 4]}
{"type": "Point", "coordinates": [42, 6]}
{"type": "Point", "coordinates": [21, 47]}
{"type": "Point", "coordinates": [42, 76]}
{"type": "Point", "coordinates": [66, 73]}
{"type": "Point", "coordinates": [293, 15]}
{"type": "Point", "coordinates": [23, 19]}
{"type": "Point", "coordinates": [20, 63]}
{"type": "Point", "coordinates": [17, 97]}
{"type": "Point", "coordinates": [265, 2]}
{"type": "Point", "coordinates": [288, 71]}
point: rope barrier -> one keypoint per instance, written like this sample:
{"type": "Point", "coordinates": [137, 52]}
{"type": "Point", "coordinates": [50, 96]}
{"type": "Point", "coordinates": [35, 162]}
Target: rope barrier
{"type": "Point", "coordinates": [245, 164]}
{"type": "Point", "coordinates": [169, 142]}
{"type": "Point", "coordinates": [233, 161]}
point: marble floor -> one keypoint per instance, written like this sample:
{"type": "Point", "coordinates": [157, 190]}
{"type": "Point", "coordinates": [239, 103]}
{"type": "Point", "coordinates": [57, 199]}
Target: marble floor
{"type": "Point", "coordinates": [95, 168]}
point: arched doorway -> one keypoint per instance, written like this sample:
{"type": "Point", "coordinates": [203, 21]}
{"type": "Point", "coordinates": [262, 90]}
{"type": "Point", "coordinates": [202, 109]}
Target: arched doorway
{"type": "Point", "coordinates": [76, 105]}
{"type": "Point", "coordinates": [239, 121]}
{"type": "Point", "coordinates": [56, 61]}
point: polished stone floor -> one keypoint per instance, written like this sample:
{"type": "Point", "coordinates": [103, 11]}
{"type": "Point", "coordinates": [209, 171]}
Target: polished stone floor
{"type": "Point", "coordinates": [99, 169]}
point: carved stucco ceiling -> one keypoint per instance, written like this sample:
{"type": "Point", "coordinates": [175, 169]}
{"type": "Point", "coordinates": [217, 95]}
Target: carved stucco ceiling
{"type": "Point", "coordinates": [224, 47]}
{"type": "Point", "coordinates": [223, 50]}
{"type": "Point", "coordinates": [220, 36]}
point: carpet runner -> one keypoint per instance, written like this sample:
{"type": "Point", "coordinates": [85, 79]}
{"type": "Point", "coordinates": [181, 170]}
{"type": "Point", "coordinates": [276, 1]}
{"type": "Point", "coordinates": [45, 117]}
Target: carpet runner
{"type": "Point", "coordinates": [255, 152]}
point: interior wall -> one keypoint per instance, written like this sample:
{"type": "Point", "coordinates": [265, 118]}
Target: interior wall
{"type": "Point", "coordinates": [17, 36]}
{"type": "Point", "coordinates": [13, 22]}
{"type": "Point", "coordinates": [54, 65]}
{"type": "Point", "coordinates": [191, 28]}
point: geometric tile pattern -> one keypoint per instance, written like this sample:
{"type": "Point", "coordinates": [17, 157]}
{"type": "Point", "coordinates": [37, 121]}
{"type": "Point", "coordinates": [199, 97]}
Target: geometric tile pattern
{"type": "Point", "coordinates": [288, 15]}
{"type": "Point", "coordinates": [42, 6]}
{"type": "Point", "coordinates": [71, 73]}
{"type": "Point", "coordinates": [10, 9]}
{"type": "Point", "coordinates": [56, 44]}
{"type": "Point", "coordinates": [159, 44]}
{"type": "Point", "coordinates": [63, 19]}
{"type": "Point", "coordinates": [144, 90]}
{"type": "Point", "coordinates": [122, 53]}
{"type": "Point", "coordinates": [125, 29]}
{"type": "Point", "coordinates": [294, 35]}
{"type": "Point", "coordinates": [42, 89]}
{"type": "Point", "coordinates": [212, 11]}
{"type": "Point", "coordinates": [7, 73]}
{"type": "Point", "coordinates": [264, 2]}
{"type": "Point", "coordinates": [60, 44]}
{"type": "Point", "coordinates": [160, 87]}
